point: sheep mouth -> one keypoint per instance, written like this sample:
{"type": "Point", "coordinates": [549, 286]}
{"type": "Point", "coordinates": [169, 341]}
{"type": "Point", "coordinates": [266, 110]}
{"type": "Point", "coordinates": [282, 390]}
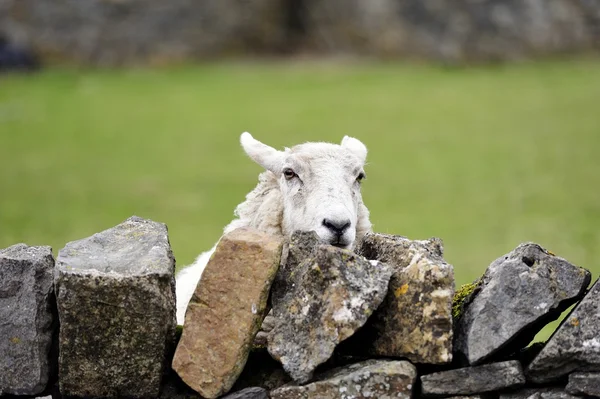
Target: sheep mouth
{"type": "Point", "coordinates": [340, 244]}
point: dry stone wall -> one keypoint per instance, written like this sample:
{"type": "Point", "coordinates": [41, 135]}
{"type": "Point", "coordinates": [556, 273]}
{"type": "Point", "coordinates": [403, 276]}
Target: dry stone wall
{"type": "Point", "coordinates": [323, 315]}
{"type": "Point", "coordinates": [116, 32]}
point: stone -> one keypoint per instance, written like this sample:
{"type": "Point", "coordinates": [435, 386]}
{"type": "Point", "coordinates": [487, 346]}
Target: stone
{"type": "Point", "coordinates": [574, 346]}
{"type": "Point", "coordinates": [329, 297]}
{"type": "Point", "coordinates": [473, 380]}
{"type": "Point", "coordinates": [116, 304]}
{"type": "Point", "coordinates": [27, 319]}
{"type": "Point", "coordinates": [226, 311]}
{"type": "Point", "coordinates": [249, 393]}
{"type": "Point", "coordinates": [415, 319]}
{"type": "Point", "coordinates": [381, 379]}
{"type": "Point", "coordinates": [584, 384]}
{"type": "Point", "coordinates": [539, 393]}
{"type": "Point", "coordinates": [519, 293]}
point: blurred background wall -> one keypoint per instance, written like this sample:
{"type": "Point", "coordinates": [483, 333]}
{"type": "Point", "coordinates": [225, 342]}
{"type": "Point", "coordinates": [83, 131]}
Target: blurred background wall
{"type": "Point", "coordinates": [124, 32]}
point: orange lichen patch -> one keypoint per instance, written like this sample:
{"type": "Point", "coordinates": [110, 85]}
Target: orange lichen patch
{"type": "Point", "coordinates": [401, 290]}
{"type": "Point", "coordinates": [15, 340]}
{"type": "Point", "coordinates": [574, 322]}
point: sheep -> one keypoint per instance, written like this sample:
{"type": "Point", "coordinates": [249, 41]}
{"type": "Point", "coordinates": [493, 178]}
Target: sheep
{"type": "Point", "coordinates": [310, 187]}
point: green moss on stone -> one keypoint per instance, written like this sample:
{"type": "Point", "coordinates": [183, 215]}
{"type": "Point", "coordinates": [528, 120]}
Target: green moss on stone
{"type": "Point", "coordinates": [462, 295]}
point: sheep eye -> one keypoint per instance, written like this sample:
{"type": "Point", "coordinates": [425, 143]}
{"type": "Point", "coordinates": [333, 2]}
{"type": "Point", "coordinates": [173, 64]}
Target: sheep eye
{"type": "Point", "coordinates": [360, 177]}
{"type": "Point", "coordinates": [289, 174]}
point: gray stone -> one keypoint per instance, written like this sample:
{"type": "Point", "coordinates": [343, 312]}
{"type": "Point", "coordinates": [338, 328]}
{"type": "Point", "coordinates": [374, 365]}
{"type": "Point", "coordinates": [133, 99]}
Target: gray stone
{"type": "Point", "coordinates": [539, 393]}
{"type": "Point", "coordinates": [415, 319]}
{"type": "Point", "coordinates": [473, 380]}
{"type": "Point", "coordinates": [329, 297]}
{"type": "Point", "coordinates": [116, 304]}
{"type": "Point", "coordinates": [574, 346]}
{"type": "Point", "coordinates": [27, 319]}
{"type": "Point", "coordinates": [584, 384]}
{"type": "Point", "coordinates": [381, 379]}
{"type": "Point", "coordinates": [226, 311]}
{"type": "Point", "coordinates": [519, 293]}
{"type": "Point", "coordinates": [249, 393]}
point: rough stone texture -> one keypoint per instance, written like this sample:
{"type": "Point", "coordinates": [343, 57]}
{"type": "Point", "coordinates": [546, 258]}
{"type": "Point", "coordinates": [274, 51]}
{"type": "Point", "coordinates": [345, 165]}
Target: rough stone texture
{"type": "Point", "coordinates": [106, 32]}
{"type": "Point", "coordinates": [519, 293]}
{"type": "Point", "coordinates": [226, 311]}
{"type": "Point", "coordinates": [473, 380]}
{"type": "Point", "coordinates": [27, 319]}
{"type": "Point", "coordinates": [415, 320]}
{"type": "Point", "coordinates": [116, 304]}
{"type": "Point", "coordinates": [382, 379]}
{"type": "Point", "coordinates": [584, 384]}
{"type": "Point", "coordinates": [539, 393]}
{"type": "Point", "coordinates": [329, 297]}
{"type": "Point", "coordinates": [575, 345]}
{"type": "Point", "coordinates": [249, 393]}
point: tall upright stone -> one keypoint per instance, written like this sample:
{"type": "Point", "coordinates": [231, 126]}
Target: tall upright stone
{"type": "Point", "coordinates": [415, 319]}
{"type": "Point", "coordinates": [519, 293]}
{"type": "Point", "coordinates": [27, 319]}
{"type": "Point", "coordinates": [226, 311]}
{"type": "Point", "coordinates": [116, 304]}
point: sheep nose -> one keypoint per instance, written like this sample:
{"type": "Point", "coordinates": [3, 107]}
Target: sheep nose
{"type": "Point", "coordinates": [336, 226]}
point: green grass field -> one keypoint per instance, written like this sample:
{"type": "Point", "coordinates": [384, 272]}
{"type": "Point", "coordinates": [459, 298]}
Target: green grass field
{"type": "Point", "coordinates": [484, 158]}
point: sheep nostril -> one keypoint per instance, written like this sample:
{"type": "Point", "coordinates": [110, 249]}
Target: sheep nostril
{"type": "Point", "coordinates": [336, 226]}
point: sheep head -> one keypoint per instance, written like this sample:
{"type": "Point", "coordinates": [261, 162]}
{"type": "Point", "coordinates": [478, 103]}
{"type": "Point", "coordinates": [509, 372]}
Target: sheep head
{"type": "Point", "coordinates": [320, 187]}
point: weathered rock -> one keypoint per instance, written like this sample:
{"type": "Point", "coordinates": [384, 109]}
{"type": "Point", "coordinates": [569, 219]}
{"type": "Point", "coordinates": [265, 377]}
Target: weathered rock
{"type": "Point", "coordinates": [519, 293]}
{"type": "Point", "coordinates": [249, 393]}
{"type": "Point", "coordinates": [116, 304]}
{"type": "Point", "coordinates": [214, 348]}
{"type": "Point", "coordinates": [329, 297]}
{"type": "Point", "coordinates": [574, 346]}
{"type": "Point", "coordinates": [584, 384]}
{"type": "Point", "coordinates": [415, 319]}
{"type": "Point", "coordinates": [382, 379]}
{"type": "Point", "coordinates": [473, 380]}
{"type": "Point", "coordinates": [27, 319]}
{"type": "Point", "coordinates": [539, 393]}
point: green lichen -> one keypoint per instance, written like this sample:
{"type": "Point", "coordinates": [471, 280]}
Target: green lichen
{"type": "Point", "coordinates": [462, 295]}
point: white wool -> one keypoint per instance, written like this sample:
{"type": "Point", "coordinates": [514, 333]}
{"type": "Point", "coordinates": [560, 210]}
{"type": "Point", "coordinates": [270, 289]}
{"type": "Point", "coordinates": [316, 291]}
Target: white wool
{"type": "Point", "coordinates": [325, 188]}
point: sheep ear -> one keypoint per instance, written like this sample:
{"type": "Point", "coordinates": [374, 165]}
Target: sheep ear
{"type": "Point", "coordinates": [267, 157]}
{"type": "Point", "coordinates": [356, 147]}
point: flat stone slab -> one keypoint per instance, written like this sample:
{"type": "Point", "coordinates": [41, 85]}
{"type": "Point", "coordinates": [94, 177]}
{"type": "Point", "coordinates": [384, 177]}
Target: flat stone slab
{"type": "Point", "coordinates": [539, 393]}
{"type": "Point", "coordinates": [249, 393]}
{"type": "Point", "coordinates": [584, 384]}
{"type": "Point", "coordinates": [415, 319]}
{"type": "Point", "coordinates": [574, 346]}
{"type": "Point", "coordinates": [381, 379]}
{"type": "Point", "coordinates": [27, 319]}
{"type": "Point", "coordinates": [226, 311]}
{"type": "Point", "coordinates": [329, 296]}
{"type": "Point", "coordinates": [116, 304]}
{"type": "Point", "coordinates": [519, 293]}
{"type": "Point", "coordinates": [473, 380]}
